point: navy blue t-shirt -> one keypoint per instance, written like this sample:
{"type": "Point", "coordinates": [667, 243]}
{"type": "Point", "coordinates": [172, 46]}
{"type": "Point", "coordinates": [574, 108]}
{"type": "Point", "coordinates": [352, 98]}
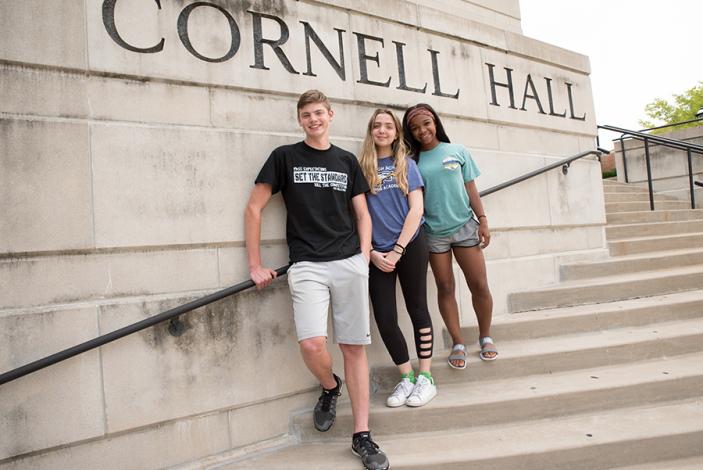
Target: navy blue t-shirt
{"type": "Point", "coordinates": [389, 206]}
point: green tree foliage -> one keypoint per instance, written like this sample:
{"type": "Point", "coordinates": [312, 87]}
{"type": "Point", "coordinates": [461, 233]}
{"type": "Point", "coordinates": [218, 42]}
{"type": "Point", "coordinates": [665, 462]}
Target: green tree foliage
{"type": "Point", "coordinates": [684, 108]}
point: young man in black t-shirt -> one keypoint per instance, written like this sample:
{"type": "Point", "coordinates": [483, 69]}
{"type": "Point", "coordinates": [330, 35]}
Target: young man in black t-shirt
{"type": "Point", "coordinates": [328, 230]}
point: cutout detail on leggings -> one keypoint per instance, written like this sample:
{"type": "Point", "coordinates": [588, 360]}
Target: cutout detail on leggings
{"type": "Point", "coordinates": [424, 338]}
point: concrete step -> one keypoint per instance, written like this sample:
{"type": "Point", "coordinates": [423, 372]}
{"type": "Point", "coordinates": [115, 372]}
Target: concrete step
{"type": "Point", "coordinates": [546, 355]}
{"type": "Point", "coordinates": [693, 463]}
{"type": "Point", "coordinates": [608, 288]}
{"type": "Point", "coordinates": [630, 264]}
{"type": "Point", "coordinates": [615, 207]}
{"type": "Point", "coordinates": [596, 440]}
{"type": "Point", "coordinates": [641, 311]}
{"type": "Point", "coordinates": [635, 197]}
{"type": "Point", "coordinates": [623, 189]}
{"type": "Point", "coordinates": [647, 216]}
{"type": "Point", "coordinates": [630, 246]}
{"type": "Point", "coordinates": [615, 186]}
{"type": "Point", "coordinates": [480, 403]}
{"type": "Point", "coordinates": [614, 232]}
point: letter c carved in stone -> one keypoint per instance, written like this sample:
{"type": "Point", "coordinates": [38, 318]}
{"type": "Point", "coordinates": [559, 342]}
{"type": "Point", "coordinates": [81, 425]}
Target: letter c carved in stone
{"type": "Point", "coordinates": [111, 28]}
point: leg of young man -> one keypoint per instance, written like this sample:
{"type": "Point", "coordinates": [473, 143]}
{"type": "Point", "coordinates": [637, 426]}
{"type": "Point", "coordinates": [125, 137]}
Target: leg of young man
{"type": "Point", "coordinates": [356, 374]}
{"type": "Point", "coordinates": [311, 299]}
{"type": "Point", "coordinates": [310, 293]}
{"type": "Point", "coordinates": [349, 280]}
{"type": "Point", "coordinates": [349, 287]}
{"type": "Point", "coordinates": [318, 360]}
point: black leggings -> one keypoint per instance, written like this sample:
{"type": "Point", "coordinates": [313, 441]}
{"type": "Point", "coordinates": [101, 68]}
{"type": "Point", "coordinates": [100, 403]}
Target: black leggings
{"type": "Point", "coordinates": [411, 270]}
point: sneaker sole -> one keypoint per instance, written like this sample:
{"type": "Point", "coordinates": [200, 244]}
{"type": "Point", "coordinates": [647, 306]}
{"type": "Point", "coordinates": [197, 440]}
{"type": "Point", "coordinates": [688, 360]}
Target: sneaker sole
{"type": "Point", "coordinates": [359, 455]}
{"type": "Point", "coordinates": [395, 406]}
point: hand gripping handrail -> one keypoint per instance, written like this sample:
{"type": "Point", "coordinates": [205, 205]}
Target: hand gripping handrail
{"type": "Point", "coordinates": [221, 294]}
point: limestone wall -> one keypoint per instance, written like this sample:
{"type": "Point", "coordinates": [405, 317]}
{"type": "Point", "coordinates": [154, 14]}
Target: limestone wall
{"type": "Point", "coordinates": [130, 134]}
{"type": "Point", "coordinates": [670, 174]}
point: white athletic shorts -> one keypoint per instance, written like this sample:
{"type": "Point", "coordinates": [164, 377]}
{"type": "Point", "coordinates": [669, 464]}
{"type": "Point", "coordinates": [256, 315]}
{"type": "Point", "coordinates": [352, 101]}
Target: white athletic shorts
{"type": "Point", "coordinates": [345, 282]}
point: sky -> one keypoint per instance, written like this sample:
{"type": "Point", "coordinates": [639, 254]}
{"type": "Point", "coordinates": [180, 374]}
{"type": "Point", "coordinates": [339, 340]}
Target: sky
{"type": "Point", "coordinates": [639, 50]}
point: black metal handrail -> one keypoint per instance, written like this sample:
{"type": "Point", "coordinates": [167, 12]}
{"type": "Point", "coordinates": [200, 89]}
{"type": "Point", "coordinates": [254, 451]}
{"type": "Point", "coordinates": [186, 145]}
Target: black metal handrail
{"type": "Point", "coordinates": [676, 124]}
{"type": "Point", "coordinates": [680, 144]}
{"type": "Point", "coordinates": [689, 148]}
{"type": "Point", "coordinates": [128, 330]}
{"type": "Point", "coordinates": [564, 164]}
{"type": "Point", "coordinates": [174, 313]}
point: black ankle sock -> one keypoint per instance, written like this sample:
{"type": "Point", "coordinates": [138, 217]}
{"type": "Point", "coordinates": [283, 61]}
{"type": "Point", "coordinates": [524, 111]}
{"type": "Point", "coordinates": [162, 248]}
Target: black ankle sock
{"type": "Point", "coordinates": [335, 389]}
{"type": "Point", "coordinates": [360, 434]}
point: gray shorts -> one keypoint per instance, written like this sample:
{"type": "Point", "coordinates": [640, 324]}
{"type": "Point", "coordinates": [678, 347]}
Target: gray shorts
{"type": "Point", "coordinates": [345, 283]}
{"type": "Point", "coordinates": [465, 237]}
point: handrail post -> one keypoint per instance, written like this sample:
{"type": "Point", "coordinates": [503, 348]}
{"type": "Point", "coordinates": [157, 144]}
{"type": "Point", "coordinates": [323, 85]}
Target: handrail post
{"type": "Point", "coordinates": [690, 179]}
{"type": "Point", "coordinates": [649, 173]}
{"type": "Point", "coordinates": [624, 160]}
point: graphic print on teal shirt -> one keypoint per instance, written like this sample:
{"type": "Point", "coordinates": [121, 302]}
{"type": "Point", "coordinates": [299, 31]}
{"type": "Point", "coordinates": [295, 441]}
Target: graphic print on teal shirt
{"type": "Point", "coordinates": [445, 169]}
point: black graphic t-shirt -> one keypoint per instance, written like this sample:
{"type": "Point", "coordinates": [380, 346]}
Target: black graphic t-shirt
{"type": "Point", "coordinates": [317, 187]}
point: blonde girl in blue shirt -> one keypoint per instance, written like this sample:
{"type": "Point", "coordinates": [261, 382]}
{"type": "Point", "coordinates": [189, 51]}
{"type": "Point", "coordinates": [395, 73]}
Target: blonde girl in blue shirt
{"type": "Point", "coordinates": [399, 253]}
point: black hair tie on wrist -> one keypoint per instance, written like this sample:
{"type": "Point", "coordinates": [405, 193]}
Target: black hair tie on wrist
{"type": "Point", "coordinates": [402, 249]}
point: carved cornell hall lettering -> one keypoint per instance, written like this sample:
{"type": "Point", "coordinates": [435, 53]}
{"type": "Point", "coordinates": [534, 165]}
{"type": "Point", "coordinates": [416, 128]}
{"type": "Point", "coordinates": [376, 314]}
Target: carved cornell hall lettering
{"type": "Point", "coordinates": [368, 53]}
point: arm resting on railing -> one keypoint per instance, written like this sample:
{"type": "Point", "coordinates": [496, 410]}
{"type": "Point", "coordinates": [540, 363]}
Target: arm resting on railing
{"type": "Point", "coordinates": [260, 196]}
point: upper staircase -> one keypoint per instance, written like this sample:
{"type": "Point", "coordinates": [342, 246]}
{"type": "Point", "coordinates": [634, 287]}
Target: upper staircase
{"type": "Point", "coordinates": [602, 370]}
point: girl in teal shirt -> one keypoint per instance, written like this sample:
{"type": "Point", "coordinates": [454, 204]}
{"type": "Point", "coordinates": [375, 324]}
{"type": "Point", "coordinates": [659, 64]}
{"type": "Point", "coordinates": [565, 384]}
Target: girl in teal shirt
{"type": "Point", "coordinates": [455, 224]}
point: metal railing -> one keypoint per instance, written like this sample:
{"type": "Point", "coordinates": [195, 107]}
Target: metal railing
{"type": "Point", "coordinates": [175, 328]}
{"type": "Point", "coordinates": [689, 148]}
{"type": "Point", "coordinates": [622, 138]}
{"type": "Point", "coordinates": [676, 124]}
{"type": "Point", "coordinates": [563, 164]}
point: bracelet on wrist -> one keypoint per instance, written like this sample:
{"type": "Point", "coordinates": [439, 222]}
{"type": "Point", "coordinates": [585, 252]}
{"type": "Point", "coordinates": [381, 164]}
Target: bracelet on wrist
{"type": "Point", "coordinates": [482, 215]}
{"type": "Point", "coordinates": [402, 248]}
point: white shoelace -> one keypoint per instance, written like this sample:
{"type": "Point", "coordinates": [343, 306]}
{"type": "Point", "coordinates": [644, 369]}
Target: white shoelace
{"type": "Point", "coordinates": [420, 385]}
{"type": "Point", "coordinates": [401, 389]}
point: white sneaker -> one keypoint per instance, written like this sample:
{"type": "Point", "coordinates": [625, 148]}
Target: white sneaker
{"type": "Point", "coordinates": [423, 392]}
{"type": "Point", "coordinates": [400, 394]}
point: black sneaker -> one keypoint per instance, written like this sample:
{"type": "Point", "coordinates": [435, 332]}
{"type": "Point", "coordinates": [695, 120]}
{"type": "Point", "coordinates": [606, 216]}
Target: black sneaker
{"type": "Point", "coordinates": [326, 409]}
{"type": "Point", "coordinates": [372, 457]}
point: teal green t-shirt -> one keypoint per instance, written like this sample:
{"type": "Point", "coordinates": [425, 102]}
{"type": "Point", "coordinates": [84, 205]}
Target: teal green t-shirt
{"type": "Point", "coordinates": [444, 170]}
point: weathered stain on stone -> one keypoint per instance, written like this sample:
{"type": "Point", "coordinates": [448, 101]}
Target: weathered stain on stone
{"type": "Point", "coordinates": [237, 8]}
{"type": "Point", "coordinates": [18, 416]}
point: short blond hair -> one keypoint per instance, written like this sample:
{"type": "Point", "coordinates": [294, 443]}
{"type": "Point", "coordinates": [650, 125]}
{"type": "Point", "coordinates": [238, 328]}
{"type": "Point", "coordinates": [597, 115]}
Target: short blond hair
{"type": "Point", "coordinates": [313, 96]}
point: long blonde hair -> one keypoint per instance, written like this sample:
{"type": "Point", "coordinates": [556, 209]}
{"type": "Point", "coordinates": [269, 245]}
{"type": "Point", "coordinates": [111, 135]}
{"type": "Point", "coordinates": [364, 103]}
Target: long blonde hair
{"type": "Point", "coordinates": [369, 156]}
